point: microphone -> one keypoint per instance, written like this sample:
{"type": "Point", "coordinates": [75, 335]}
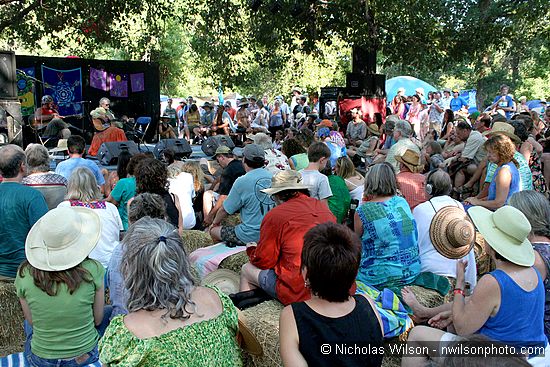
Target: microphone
{"type": "Point", "coordinates": [83, 102]}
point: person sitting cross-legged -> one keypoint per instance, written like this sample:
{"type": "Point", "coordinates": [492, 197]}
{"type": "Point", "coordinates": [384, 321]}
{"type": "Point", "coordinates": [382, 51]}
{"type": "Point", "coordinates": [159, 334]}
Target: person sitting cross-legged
{"type": "Point", "coordinates": [274, 264]}
{"type": "Point", "coordinates": [247, 198]}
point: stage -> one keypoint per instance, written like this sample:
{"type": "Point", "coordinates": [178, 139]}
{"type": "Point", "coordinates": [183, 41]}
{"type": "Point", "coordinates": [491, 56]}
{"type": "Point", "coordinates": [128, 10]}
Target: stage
{"type": "Point", "coordinates": [57, 157]}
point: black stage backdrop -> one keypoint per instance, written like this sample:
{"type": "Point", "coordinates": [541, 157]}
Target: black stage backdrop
{"type": "Point", "coordinates": [143, 103]}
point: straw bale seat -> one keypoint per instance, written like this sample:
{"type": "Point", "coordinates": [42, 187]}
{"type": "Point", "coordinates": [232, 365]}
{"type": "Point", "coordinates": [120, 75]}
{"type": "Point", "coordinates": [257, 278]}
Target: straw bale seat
{"type": "Point", "coordinates": [263, 322]}
{"type": "Point", "coordinates": [12, 335]}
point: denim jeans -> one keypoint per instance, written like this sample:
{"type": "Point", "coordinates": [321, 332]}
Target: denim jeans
{"type": "Point", "coordinates": [83, 360]}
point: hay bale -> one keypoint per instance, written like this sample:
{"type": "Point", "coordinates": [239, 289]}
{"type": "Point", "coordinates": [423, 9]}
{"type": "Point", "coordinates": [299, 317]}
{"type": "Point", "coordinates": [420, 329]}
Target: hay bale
{"type": "Point", "coordinates": [263, 322]}
{"type": "Point", "coordinates": [12, 335]}
{"type": "Point", "coordinates": [231, 220]}
{"type": "Point", "coordinates": [193, 240]}
{"type": "Point", "coordinates": [427, 297]}
{"type": "Point", "coordinates": [234, 262]}
{"type": "Point", "coordinates": [391, 360]}
{"type": "Point", "coordinates": [484, 262]}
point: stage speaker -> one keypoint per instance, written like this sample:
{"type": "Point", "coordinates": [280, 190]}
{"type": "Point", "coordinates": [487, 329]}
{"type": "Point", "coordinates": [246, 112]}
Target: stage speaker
{"type": "Point", "coordinates": [108, 152]}
{"type": "Point", "coordinates": [366, 85]}
{"type": "Point", "coordinates": [210, 145]}
{"type": "Point", "coordinates": [180, 146]}
{"type": "Point", "coordinates": [8, 88]}
{"type": "Point", "coordinates": [363, 60]}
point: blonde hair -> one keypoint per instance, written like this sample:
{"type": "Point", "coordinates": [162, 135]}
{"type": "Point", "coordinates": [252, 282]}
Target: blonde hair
{"type": "Point", "coordinates": [83, 186]}
{"type": "Point", "coordinates": [194, 168]}
{"type": "Point", "coordinates": [175, 169]}
{"type": "Point", "coordinates": [346, 169]}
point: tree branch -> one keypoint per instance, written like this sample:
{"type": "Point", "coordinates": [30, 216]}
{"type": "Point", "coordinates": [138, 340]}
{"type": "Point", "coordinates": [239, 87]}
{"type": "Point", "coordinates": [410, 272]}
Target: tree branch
{"type": "Point", "coordinates": [8, 22]}
{"type": "Point", "coordinates": [4, 2]}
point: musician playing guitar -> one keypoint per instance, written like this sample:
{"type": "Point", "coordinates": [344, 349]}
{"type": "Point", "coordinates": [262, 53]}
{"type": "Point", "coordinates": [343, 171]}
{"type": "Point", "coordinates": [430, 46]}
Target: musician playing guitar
{"type": "Point", "coordinates": [105, 103]}
{"type": "Point", "coordinates": [48, 114]}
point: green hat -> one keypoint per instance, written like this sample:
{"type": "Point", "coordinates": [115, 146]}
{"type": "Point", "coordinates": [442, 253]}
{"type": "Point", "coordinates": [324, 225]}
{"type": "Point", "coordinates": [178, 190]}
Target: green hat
{"type": "Point", "coordinates": [222, 149]}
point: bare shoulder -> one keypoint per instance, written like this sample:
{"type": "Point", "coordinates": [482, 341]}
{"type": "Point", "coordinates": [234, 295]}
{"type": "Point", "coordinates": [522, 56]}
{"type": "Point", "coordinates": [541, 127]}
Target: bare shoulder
{"type": "Point", "coordinates": [207, 300]}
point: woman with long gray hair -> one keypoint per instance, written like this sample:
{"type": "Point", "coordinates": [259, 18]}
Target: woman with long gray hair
{"type": "Point", "coordinates": [84, 192]}
{"type": "Point", "coordinates": [171, 321]}
{"type": "Point", "coordinates": [536, 208]}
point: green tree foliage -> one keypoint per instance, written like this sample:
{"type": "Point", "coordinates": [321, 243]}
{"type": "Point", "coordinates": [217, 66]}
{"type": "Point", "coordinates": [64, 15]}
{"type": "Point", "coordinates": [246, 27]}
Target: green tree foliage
{"type": "Point", "coordinates": [267, 46]}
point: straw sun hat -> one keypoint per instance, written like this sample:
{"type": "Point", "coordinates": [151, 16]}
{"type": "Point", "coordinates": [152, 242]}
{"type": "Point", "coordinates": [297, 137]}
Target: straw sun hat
{"type": "Point", "coordinates": [62, 238]}
{"type": "Point", "coordinates": [285, 180]}
{"type": "Point", "coordinates": [61, 146]}
{"type": "Point", "coordinates": [503, 128]}
{"type": "Point", "coordinates": [506, 231]}
{"type": "Point", "coordinates": [411, 159]}
{"type": "Point", "coordinates": [373, 128]}
{"type": "Point", "coordinates": [452, 233]}
{"type": "Point", "coordinates": [226, 280]}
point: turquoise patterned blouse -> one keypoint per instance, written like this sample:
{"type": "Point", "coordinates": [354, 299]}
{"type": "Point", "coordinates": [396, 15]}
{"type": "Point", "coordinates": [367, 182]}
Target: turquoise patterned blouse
{"type": "Point", "coordinates": [389, 256]}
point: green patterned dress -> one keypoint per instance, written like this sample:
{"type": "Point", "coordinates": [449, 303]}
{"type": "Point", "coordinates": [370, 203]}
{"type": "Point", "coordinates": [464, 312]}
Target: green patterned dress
{"type": "Point", "coordinates": [207, 343]}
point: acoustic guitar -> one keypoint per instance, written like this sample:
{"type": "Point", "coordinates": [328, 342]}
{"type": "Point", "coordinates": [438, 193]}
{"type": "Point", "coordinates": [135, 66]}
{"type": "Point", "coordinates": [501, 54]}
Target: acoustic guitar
{"type": "Point", "coordinates": [100, 125]}
{"type": "Point", "coordinates": [38, 123]}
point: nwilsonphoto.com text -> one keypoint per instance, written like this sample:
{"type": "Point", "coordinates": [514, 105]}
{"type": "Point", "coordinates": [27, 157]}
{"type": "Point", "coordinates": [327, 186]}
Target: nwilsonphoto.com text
{"type": "Point", "coordinates": [435, 348]}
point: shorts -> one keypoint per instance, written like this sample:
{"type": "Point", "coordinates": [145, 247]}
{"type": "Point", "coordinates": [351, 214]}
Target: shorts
{"type": "Point", "coordinates": [228, 236]}
{"type": "Point", "coordinates": [267, 279]}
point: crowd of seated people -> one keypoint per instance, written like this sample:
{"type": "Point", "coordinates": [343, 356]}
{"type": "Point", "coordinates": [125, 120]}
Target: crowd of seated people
{"type": "Point", "coordinates": [334, 219]}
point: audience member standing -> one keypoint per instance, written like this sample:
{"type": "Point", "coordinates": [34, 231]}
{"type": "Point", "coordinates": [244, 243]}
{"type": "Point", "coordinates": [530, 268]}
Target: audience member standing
{"type": "Point", "coordinates": [20, 207]}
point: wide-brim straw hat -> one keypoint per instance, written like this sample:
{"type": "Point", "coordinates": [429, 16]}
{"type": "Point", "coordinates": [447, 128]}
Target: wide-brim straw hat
{"type": "Point", "coordinates": [226, 280]}
{"type": "Point", "coordinates": [61, 146]}
{"type": "Point", "coordinates": [373, 128]}
{"type": "Point", "coordinates": [285, 180]}
{"type": "Point", "coordinates": [243, 102]}
{"type": "Point", "coordinates": [62, 238]}
{"type": "Point", "coordinates": [411, 159]}
{"type": "Point", "coordinates": [452, 233]}
{"type": "Point", "coordinates": [246, 339]}
{"type": "Point", "coordinates": [506, 231]}
{"type": "Point", "coordinates": [504, 128]}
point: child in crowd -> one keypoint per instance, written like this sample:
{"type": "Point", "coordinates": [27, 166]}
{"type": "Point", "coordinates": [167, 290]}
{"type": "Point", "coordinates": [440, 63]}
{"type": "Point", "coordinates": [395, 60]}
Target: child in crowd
{"type": "Point", "coordinates": [318, 155]}
{"type": "Point", "coordinates": [278, 141]}
{"type": "Point", "coordinates": [432, 155]}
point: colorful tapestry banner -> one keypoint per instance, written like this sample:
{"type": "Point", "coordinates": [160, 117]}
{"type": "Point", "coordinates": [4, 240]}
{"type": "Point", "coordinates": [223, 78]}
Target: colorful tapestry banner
{"type": "Point", "coordinates": [25, 90]}
{"type": "Point", "coordinates": [119, 85]}
{"type": "Point", "coordinates": [98, 79]}
{"type": "Point", "coordinates": [138, 82]}
{"type": "Point", "coordinates": [65, 86]}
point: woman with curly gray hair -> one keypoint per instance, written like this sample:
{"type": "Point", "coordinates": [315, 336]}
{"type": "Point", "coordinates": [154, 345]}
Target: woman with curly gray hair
{"type": "Point", "coordinates": [39, 177]}
{"type": "Point", "coordinates": [171, 320]}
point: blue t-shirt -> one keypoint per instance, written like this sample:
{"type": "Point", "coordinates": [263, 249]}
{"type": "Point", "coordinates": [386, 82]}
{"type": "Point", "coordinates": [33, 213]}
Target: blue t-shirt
{"type": "Point", "coordinates": [245, 196]}
{"type": "Point", "coordinates": [20, 207]}
{"type": "Point", "coordinates": [67, 167]}
{"type": "Point", "coordinates": [458, 103]}
{"type": "Point", "coordinates": [508, 102]}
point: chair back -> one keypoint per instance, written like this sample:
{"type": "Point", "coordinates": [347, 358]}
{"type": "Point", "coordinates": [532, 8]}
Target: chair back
{"type": "Point", "coordinates": [143, 120]}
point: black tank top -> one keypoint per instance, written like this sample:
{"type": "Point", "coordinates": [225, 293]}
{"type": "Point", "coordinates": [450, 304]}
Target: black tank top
{"type": "Point", "coordinates": [171, 209]}
{"type": "Point", "coordinates": [358, 328]}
